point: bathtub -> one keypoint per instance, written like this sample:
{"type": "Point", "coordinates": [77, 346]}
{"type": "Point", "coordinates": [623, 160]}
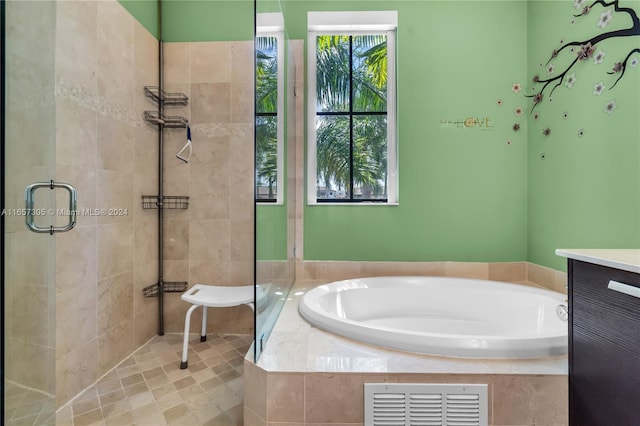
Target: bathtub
{"type": "Point", "coordinates": [441, 316]}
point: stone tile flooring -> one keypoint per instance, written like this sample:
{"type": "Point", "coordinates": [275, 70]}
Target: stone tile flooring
{"type": "Point", "coordinates": [148, 388]}
{"type": "Point", "coordinates": [27, 407]}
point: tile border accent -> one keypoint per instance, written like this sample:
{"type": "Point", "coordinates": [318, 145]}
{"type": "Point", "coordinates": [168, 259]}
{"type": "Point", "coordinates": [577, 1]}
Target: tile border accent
{"type": "Point", "coordinates": [517, 272]}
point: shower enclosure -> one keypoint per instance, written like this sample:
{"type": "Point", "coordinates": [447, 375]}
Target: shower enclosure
{"type": "Point", "coordinates": [73, 101]}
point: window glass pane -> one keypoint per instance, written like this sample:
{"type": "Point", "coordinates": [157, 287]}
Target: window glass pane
{"type": "Point", "coordinates": [266, 74]}
{"type": "Point", "coordinates": [370, 157]}
{"type": "Point", "coordinates": [266, 157]}
{"type": "Point", "coordinates": [370, 73]}
{"type": "Point", "coordinates": [332, 67]}
{"type": "Point", "coordinates": [332, 144]}
{"type": "Point", "coordinates": [351, 122]}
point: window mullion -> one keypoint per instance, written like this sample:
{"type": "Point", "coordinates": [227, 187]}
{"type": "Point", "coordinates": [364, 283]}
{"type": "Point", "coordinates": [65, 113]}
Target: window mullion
{"type": "Point", "coordinates": [351, 117]}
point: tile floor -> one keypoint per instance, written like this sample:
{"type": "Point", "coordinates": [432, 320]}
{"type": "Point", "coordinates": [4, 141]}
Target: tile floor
{"type": "Point", "coordinates": [27, 407]}
{"type": "Point", "coordinates": [148, 388]}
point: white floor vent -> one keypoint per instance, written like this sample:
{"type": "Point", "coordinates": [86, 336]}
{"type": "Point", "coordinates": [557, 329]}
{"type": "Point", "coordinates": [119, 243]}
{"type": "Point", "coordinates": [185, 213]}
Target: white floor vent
{"type": "Point", "coordinates": [425, 404]}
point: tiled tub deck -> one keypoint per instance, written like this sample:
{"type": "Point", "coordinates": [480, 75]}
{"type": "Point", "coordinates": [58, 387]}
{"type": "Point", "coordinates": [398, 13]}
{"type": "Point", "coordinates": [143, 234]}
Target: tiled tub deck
{"type": "Point", "coordinates": [307, 376]}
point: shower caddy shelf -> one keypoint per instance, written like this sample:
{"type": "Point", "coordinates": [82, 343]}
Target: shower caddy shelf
{"type": "Point", "coordinates": [166, 98]}
{"type": "Point", "coordinates": [168, 121]}
{"type": "Point", "coordinates": [162, 98]}
{"type": "Point", "coordinates": [164, 202]}
{"type": "Point", "coordinates": [170, 202]}
{"type": "Point", "coordinates": [169, 287]}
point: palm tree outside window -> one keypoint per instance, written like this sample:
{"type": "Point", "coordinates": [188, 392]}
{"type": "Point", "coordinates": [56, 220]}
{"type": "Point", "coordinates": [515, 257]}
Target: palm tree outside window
{"type": "Point", "coordinates": [269, 108]}
{"type": "Point", "coordinates": [352, 135]}
{"type": "Point", "coordinates": [266, 119]}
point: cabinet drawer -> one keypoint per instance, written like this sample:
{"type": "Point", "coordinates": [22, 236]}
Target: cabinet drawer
{"type": "Point", "coordinates": [604, 347]}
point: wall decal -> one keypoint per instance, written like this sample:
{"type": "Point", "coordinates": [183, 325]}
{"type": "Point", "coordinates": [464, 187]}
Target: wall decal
{"type": "Point", "coordinates": [610, 106]}
{"type": "Point", "coordinates": [598, 88]}
{"type": "Point", "coordinates": [585, 50]}
{"type": "Point", "coordinates": [485, 123]}
{"type": "Point", "coordinates": [599, 57]}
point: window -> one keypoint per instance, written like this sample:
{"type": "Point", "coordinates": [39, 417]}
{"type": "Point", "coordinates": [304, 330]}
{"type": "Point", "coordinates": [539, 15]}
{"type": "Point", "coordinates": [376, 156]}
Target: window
{"type": "Point", "coordinates": [269, 120]}
{"type": "Point", "coordinates": [352, 142]}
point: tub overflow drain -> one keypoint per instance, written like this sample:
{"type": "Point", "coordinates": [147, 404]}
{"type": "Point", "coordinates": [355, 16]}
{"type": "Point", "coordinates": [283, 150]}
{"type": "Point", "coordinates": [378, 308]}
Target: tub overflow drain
{"type": "Point", "coordinates": [563, 312]}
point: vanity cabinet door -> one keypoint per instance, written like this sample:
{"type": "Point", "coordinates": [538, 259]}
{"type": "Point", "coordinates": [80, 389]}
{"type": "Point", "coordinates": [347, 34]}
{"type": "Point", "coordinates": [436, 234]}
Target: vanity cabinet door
{"type": "Point", "coordinates": [604, 347]}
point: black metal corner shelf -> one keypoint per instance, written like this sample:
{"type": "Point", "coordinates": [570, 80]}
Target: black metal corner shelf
{"type": "Point", "coordinates": [160, 202]}
{"type": "Point", "coordinates": [170, 202]}
{"type": "Point", "coordinates": [167, 287]}
{"type": "Point", "coordinates": [165, 98]}
{"type": "Point", "coordinates": [170, 122]}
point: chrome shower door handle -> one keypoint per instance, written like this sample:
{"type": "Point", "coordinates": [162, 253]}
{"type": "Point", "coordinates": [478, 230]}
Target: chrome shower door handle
{"type": "Point", "coordinates": [31, 211]}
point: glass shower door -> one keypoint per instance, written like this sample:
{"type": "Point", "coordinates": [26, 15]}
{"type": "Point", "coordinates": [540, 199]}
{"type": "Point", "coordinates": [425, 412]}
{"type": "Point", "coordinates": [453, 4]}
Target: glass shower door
{"type": "Point", "coordinates": [28, 276]}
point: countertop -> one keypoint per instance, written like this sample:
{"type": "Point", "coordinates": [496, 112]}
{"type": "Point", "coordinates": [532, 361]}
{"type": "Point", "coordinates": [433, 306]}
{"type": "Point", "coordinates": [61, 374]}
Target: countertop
{"type": "Point", "coordinates": [624, 259]}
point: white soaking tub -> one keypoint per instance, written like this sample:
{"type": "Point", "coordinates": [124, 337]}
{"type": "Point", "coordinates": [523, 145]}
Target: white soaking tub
{"type": "Point", "coordinates": [442, 316]}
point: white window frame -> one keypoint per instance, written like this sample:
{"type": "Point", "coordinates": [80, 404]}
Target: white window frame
{"type": "Point", "coordinates": [272, 25]}
{"type": "Point", "coordinates": [352, 23]}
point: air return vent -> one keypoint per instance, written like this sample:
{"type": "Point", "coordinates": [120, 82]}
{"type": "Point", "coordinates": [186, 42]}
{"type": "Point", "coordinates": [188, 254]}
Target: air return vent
{"type": "Point", "coordinates": [425, 404]}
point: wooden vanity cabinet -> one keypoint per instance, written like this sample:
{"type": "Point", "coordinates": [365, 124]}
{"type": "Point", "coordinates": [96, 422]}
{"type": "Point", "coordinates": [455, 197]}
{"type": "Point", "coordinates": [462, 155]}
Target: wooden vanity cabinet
{"type": "Point", "coordinates": [604, 346]}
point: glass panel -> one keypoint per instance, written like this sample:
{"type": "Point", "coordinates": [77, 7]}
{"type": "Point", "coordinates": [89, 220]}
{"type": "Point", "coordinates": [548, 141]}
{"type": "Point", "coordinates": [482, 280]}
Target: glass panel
{"type": "Point", "coordinates": [370, 73]}
{"type": "Point", "coordinates": [266, 157]}
{"type": "Point", "coordinates": [332, 144]}
{"type": "Point", "coordinates": [266, 74]}
{"type": "Point", "coordinates": [275, 225]}
{"type": "Point", "coordinates": [29, 258]}
{"type": "Point", "coordinates": [370, 157]}
{"type": "Point", "coordinates": [332, 63]}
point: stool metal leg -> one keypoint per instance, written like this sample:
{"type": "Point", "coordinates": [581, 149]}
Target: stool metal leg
{"type": "Point", "coordinates": [203, 333]}
{"type": "Point", "coordinates": [185, 343]}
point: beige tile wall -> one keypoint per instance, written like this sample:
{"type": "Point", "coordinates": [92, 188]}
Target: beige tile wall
{"type": "Point", "coordinates": [279, 398]}
{"type": "Point", "coordinates": [297, 51]}
{"type": "Point", "coordinates": [105, 149]}
{"type": "Point", "coordinates": [295, 150]}
{"type": "Point", "coordinates": [212, 241]}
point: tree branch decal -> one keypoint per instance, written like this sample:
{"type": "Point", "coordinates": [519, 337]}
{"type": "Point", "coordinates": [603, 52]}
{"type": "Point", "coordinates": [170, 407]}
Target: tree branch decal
{"type": "Point", "coordinates": [584, 49]}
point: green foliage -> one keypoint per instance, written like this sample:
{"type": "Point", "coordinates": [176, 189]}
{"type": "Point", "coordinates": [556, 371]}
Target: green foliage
{"type": "Point", "coordinates": [366, 87]}
{"type": "Point", "coordinates": [267, 102]}
{"type": "Point", "coordinates": [266, 75]}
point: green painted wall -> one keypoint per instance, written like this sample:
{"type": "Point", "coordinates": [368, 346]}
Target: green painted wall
{"type": "Point", "coordinates": [145, 11]}
{"type": "Point", "coordinates": [586, 192]}
{"type": "Point", "coordinates": [465, 194]}
{"type": "Point", "coordinates": [196, 20]}
{"type": "Point", "coordinates": [462, 190]}
{"type": "Point", "coordinates": [271, 232]}
{"type": "Point", "coordinates": [211, 20]}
